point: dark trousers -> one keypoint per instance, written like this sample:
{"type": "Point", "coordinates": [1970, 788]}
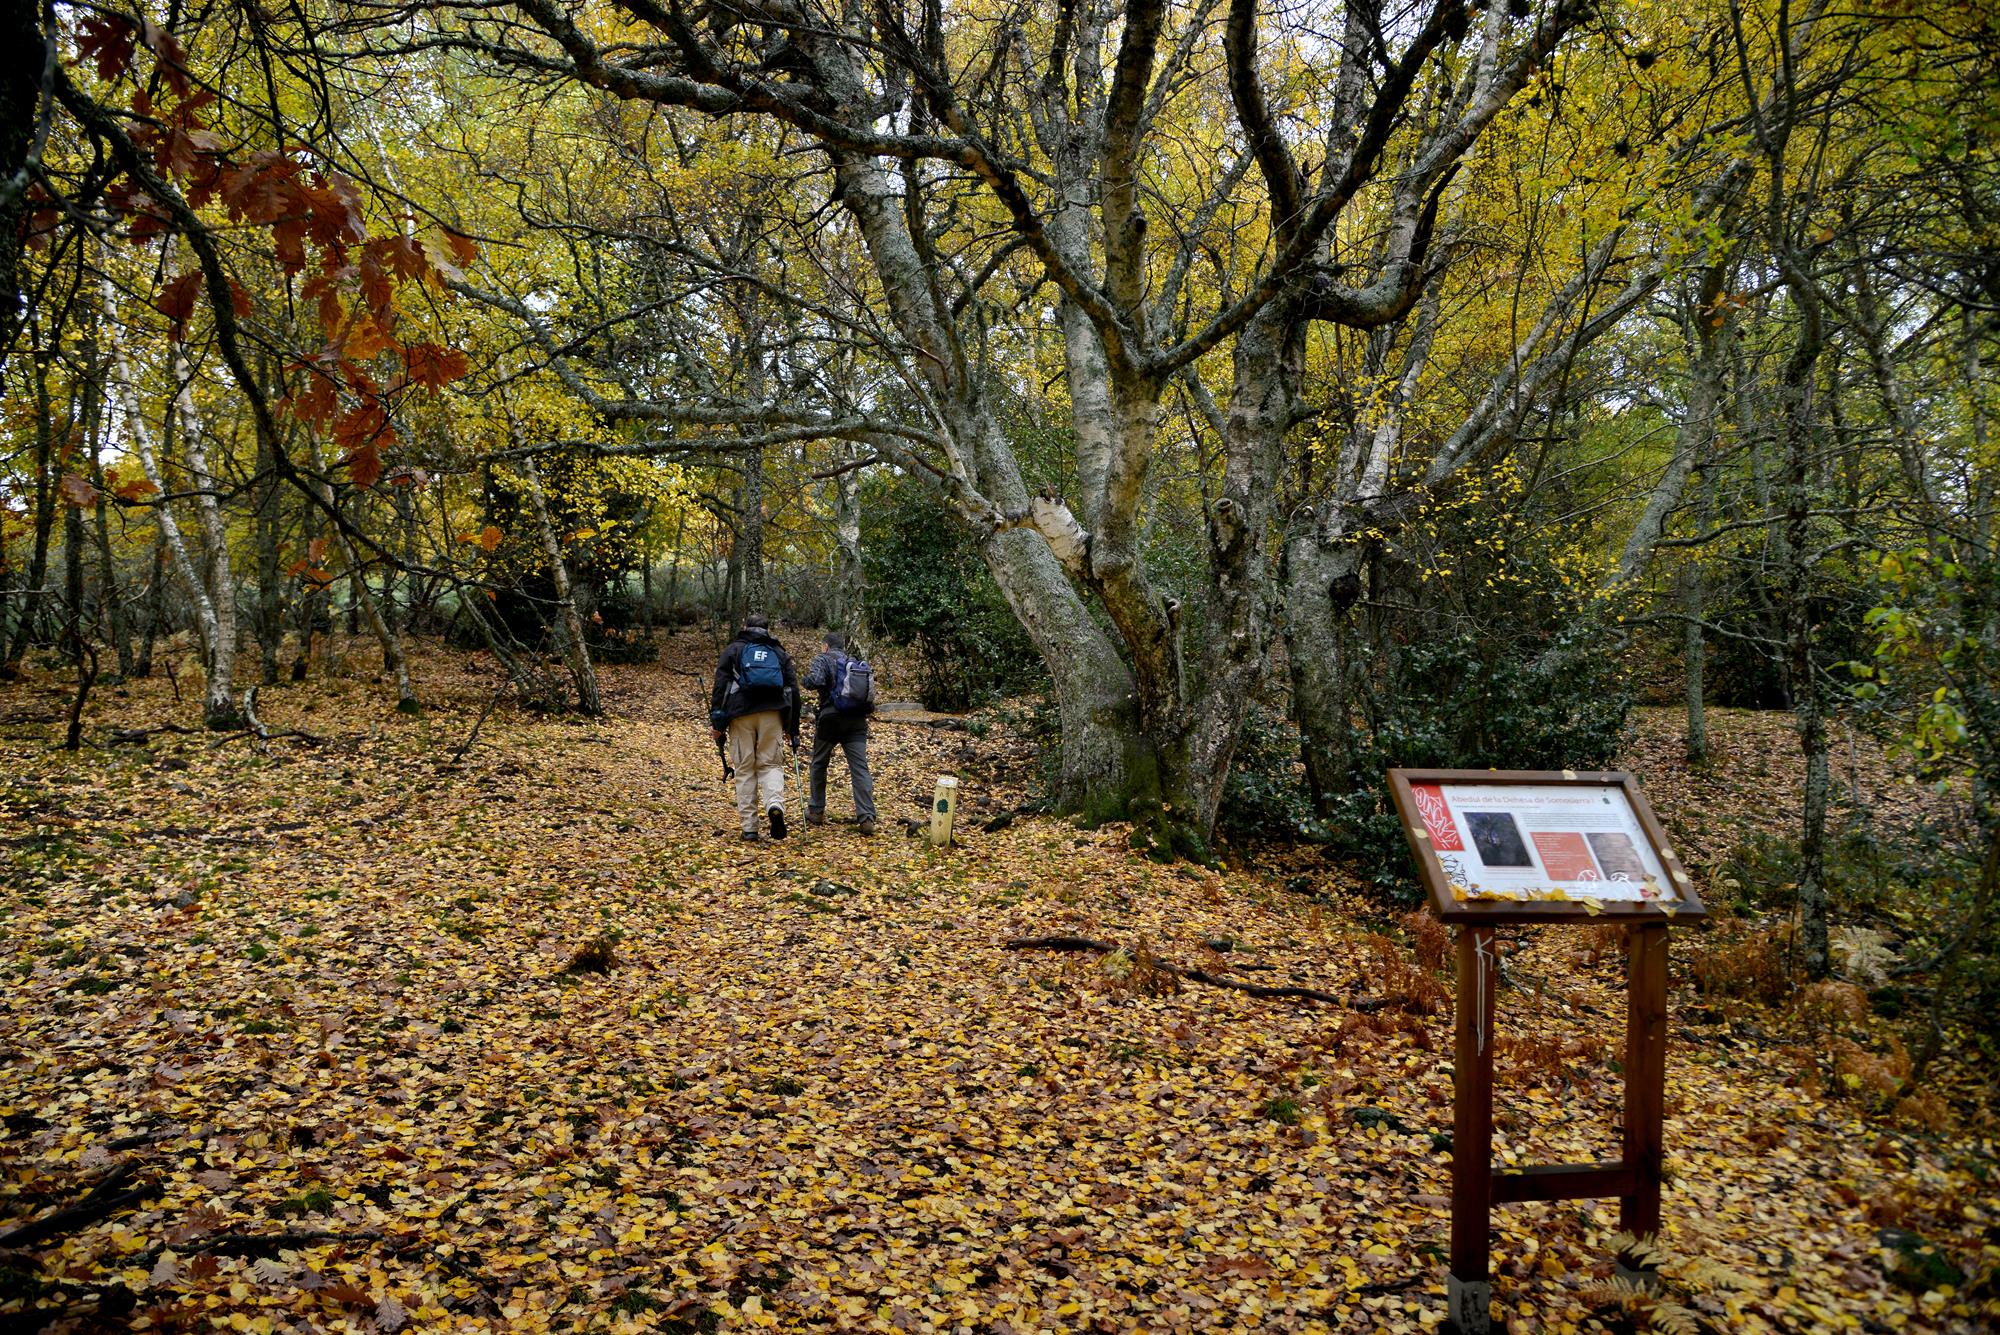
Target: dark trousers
{"type": "Point", "coordinates": [851, 736]}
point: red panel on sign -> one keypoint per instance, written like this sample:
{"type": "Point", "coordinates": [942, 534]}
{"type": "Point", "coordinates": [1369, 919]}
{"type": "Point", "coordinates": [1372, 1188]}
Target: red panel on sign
{"type": "Point", "coordinates": [1566, 857]}
{"type": "Point", "coordinates": [1437, 818]}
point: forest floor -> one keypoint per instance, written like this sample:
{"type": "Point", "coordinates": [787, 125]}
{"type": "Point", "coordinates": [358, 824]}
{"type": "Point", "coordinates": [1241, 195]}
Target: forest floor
{"type": "Point", "coordinates": [320, 1018]}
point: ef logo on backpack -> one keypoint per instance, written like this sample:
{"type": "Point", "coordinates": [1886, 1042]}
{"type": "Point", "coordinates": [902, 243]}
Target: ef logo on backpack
{"type": "Point", "coordinates": [759, 669]}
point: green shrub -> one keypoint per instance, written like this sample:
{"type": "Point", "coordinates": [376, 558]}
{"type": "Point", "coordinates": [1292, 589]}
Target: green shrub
{"type": "Point", "coordinates": [1265, 795]}
{"type": "Point", "coordinates": [929, 591]}
{"type": "Point", "coordinates": [1473, 702]}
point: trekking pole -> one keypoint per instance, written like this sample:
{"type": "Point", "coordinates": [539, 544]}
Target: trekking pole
{"type": "Point", "coordinates": [722, 754]}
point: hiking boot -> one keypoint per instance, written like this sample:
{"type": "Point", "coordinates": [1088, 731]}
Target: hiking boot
{"type": "Point", "coordinates": [751, 836]}
{"type": "Point", "coordinates": [866, 827]}
{"type": "Point", "coordinates": [815, 818]}
{"type": "Point", "coordinates": [777, 815]}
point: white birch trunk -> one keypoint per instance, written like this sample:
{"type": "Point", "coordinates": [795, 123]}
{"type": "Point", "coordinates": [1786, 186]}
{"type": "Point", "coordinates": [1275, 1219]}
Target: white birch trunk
{"type": "Point", "coordinates": [218, 650]}
{"type": "Point", "coordinates": [219, 705]}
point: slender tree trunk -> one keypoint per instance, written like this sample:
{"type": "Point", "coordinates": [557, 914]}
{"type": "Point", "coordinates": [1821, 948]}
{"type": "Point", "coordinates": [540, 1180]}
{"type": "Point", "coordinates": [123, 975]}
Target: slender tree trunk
{"type": "Point", "coordinates": [391, 577]}
{"type": "Point", "coordinates": [264, 520]}
{"type": "Point", "coordinates": [219, 704]}
{"type": "Point", "coordinates": [646, 594]}
{"type": "Point", "coordinates": [83, 421]}
{"type": "Point", "coordinates": [363, 604]}
{"type": "Point", "coordinates": [750, 537]}
{"type": "Point", "coordinates": [850, 604]}
{"type": "Point", "coordinates": [1712, 342]}
{"type": "Point", "coordinates": [1694, 647]}
{"type": "Point", "coordinates": [569, 626]}
{"type": "Point", "coordinates": [76, 613]}
{"type": "Point", "coordinates": [156, 606]}
{"type": "Point", "coordinates": [110, 606]}
{"type": "Point", "coordinates": [1798, 413]}
{"type": "Point", "coordinates": [111, 602]}
{"type": "Point", "coordinates": [674, 570]}
{"type": "Point", "coordinates": [34, 591]}
{"type": "Point", "coordinates": [314, 603]}
{"type": "Point", "coordinates": [111, 599]}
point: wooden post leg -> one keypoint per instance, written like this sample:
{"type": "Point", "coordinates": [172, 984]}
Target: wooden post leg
{"type": "Point", "coordinates": [1645, 1082]}
{"type": "Point", "coordinates": [1468, 1284]}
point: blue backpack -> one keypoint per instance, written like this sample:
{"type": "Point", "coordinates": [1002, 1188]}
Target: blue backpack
{"type": "Point", "coordinates": [853, 687]}
{"type": "Point", "coordinates": [758, 668]}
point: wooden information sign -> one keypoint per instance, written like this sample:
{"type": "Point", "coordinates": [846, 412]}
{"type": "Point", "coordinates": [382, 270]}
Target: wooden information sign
{"type": "Point", "coordinates": [1508, 847]}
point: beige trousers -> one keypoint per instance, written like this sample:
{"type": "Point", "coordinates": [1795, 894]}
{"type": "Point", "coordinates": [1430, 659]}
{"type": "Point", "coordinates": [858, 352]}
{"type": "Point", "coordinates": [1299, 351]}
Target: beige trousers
{"type": "Point", "coordinates": [757, 752]}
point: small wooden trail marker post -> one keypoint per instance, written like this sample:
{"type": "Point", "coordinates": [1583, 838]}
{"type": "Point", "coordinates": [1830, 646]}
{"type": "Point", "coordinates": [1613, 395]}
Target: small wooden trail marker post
{"type": "Point", "coordinates": [943, 807]}
{"type": "Point", "coordinates": [1510, 846]}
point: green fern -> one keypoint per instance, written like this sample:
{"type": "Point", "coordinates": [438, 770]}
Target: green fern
{"type": "Point", "coordinates": [1670, 1318]}
{"type": "Point", "coordinates": [1647, 1307]}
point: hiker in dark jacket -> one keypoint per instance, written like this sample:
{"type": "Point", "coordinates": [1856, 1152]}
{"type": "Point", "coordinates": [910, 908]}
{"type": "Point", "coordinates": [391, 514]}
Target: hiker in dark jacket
{"type": "Point", "coordinates": [846, 728]}
{"type": "Point", "coordinates": [755, 708]}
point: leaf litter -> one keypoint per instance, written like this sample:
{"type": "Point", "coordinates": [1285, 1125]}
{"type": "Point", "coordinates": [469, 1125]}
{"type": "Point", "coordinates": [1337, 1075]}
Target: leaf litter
{"type": "Point", "coordinates": [325, 1003]}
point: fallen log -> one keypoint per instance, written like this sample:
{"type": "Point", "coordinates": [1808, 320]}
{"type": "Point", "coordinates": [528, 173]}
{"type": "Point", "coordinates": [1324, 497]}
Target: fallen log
{"type": "Point", "coordinates": [103, 1200]}
{"type": "Point", "coordinates": [1094, 946]}
{"type": "Point", "coordinates": [132, 736]}
{"type": "Point", "coordinates": [250, 1246]}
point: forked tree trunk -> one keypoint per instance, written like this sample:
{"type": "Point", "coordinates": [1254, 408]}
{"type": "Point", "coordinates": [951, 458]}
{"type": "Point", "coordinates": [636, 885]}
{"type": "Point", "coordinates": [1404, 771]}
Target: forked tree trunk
{"type": "Point", "coordinates": [1323, 560]}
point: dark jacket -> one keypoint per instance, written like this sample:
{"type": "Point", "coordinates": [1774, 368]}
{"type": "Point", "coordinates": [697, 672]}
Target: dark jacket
{"type": "Point", "coordinates": [727, 701]}
{"type": "Point", "coordinates": [823, 675]}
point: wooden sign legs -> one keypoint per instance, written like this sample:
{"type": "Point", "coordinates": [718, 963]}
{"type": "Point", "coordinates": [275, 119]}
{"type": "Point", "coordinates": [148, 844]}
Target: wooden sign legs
{"type": "Point", "coordinates": [1476, 1188]}
{"type": "Point", "coordinates": [1645, 1077]}
{"type": "Point", "coordinates": [1469, 1290]}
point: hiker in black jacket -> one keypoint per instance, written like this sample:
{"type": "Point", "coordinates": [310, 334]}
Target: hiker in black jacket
{"type": "Point", "coordinates": [755, 707]}
{"type": "Point", "coordinates": [846, 728]}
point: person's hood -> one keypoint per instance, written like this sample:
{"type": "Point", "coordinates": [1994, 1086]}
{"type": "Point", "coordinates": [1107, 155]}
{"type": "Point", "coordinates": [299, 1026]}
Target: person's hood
{"type": "Point", "coordinates": [748, 635]}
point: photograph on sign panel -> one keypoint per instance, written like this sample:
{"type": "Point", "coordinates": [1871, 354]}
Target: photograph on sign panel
{"type": "Point", "coordinates": [1498, 839]}
{"type": "Point", "coordinates": [1618, 855]}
